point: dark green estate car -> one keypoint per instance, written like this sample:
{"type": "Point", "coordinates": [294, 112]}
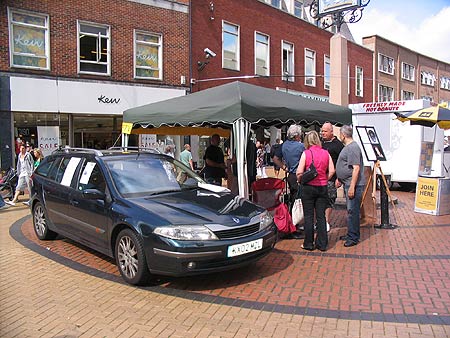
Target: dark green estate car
{"type": "Point", "coordinates": [147, 210]}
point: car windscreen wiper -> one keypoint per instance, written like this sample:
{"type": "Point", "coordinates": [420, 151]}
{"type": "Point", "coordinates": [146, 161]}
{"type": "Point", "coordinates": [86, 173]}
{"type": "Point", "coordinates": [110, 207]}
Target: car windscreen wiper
{"type": "Point", "coordinates": [160, 192]}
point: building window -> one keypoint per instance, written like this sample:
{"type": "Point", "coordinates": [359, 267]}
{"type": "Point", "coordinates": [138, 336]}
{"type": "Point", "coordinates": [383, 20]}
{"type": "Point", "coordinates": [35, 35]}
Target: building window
{"type": "Point", "coordinates": [94, 43]}
{"type": "Point", "coordinates": [359, 83]}
{"type": "Point", "coordinates": [445, 83]}
{"type": "Point", "coordinates": [310, 67]}
{"type": "Point", "coordinates": [385, 93]}
{"type": "Point", "coordinates": [230, 46]}
{"type": "Point", "coordinates": [147, 55]}
{"type": "Point", "coordinates": [29, 40]}
{"type": "Point", "coordinates": [385, 64]}
{"type": "Point", "coordinates": [262, 54]}
{"type": "Point", "coordinates": [407, 95]}
{"type": "Point", "coordinates": [298, 9]}
{"type": "Point", "coordinates": [288, 60]}
{"type": "Point", "coordinates": [428, 98]}
{"type": "Point", "coordinates": [326, 72]}
{"type": "Point", "coordinates": [427, 78]}
{"type": "Point", "coordinates": [408, 72]}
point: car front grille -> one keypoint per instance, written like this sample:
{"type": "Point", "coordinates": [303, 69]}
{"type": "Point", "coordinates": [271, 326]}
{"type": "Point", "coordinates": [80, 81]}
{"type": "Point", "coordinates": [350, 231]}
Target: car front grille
{"type": "Point", "coordinates": [238, 232]}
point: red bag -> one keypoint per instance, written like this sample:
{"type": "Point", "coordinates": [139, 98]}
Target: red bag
{"type": "Point", "coordinates": [283, 219]}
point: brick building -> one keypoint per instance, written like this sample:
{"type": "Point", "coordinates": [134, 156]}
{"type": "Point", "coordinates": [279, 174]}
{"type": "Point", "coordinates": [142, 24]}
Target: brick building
{"type": "Point", "coordinates": [403, 74]}
{"type": "Point", "coordinates": [271, 39]}
{"type": "Point", "coordinates": [68, 69]}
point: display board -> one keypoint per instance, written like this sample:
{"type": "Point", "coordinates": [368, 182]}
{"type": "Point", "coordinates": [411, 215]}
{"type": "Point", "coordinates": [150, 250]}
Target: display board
{"type": "Point", "coordinates": [371, 143]}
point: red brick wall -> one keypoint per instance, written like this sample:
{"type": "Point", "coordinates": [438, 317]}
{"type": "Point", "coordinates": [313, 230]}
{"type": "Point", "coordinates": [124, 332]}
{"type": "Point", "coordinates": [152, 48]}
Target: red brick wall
{"type": "Point", "coordinates": [251, 16]}
{"type": "Point", "coordinates": [123, 17]}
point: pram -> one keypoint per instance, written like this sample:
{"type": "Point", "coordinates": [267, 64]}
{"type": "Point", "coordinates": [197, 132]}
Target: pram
{"type": "Point", "coordinates": [8, 184]}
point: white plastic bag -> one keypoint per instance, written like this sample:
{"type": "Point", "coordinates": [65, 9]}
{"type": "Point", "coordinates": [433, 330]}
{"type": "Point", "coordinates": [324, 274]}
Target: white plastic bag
{"type": "Point", "coordinates": [297, 212]}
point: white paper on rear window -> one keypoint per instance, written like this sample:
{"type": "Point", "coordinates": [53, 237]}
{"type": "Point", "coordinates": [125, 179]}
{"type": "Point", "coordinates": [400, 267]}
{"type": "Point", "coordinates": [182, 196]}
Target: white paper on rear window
{"type": "Point", "coordinates": [70, 170]}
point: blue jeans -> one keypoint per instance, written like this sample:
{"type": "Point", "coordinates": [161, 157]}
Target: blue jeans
{"type": "Point", "coordinates": [314, 200]}
{"type": "Point", "coordinates": [353, 213]}
{"type": "Point", "coordinates": [2, 202]}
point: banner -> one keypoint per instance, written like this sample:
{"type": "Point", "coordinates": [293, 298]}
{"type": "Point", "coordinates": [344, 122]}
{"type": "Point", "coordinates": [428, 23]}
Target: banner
{"type": "Point", "coordinates": [48, 139]}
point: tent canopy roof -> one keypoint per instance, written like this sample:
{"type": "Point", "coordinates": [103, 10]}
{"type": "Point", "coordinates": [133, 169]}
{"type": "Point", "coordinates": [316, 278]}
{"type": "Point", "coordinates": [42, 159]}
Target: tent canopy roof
{"type": "Point", "coordinates": [225, 104]}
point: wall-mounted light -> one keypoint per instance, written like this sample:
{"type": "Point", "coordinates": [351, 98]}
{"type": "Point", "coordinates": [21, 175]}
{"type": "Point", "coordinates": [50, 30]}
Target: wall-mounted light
{"type": "Point", "coordinates": [211, 9]}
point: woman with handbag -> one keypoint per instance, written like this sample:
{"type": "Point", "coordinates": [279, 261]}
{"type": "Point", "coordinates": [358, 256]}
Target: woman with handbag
{"type": "Point", "coordinates": [314, 170]}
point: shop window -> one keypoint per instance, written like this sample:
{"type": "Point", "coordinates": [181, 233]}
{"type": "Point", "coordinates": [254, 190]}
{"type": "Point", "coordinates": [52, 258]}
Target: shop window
{"type": "Point", "coordinates": [148, 55]}
{"type": "Point", "coordinates": [385, 64]}
{"type": "Point", "coordinates": [310, 67]}
{"type": "Point", "coordinates": [29, 40]}
{"type": "Point", "coordinates": [288, 60]}
{"type": "Point", "coordinates": [262, 54]}
{"type": "Point", "coordinates": [359, 83]}
{"type": "Point", "coordinates": [385, 93]}
{"type": "Point", "coordinates": [408, 72]}
{"type": "Point", "coordinates": [94, 54]}
{"type": "Point", "coordinates": [230, 46]}
{"type": "Point", "coordinates": [327, 72]}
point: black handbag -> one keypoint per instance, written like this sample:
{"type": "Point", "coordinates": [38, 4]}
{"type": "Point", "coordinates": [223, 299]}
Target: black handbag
{"type": "Point", "coordinates": [310, 173]}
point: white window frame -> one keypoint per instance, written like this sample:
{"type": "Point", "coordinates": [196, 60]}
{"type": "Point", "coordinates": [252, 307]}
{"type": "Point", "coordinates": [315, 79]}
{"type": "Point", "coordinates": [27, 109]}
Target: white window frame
{"type": "Point", "coordinates": [290, 64]}
{"type": "Point", "coordinates": [428, 98]}
{"type": "Point", "coordinates": [310, 79]}
{"type": "Point", "coordinates": [385, 64]}
{"type": "Point", "coordinates": [99, 37]}
{"type": "Point", "coordinates": [29, 53]}
{"type": "Point", "coordinates": [382, 96]}
{"type": "Point", "coordinates": [408, 72]}
{"type": "Point", "coordinates": [158, 45]}
{"type": "Point", "coordinates": [406, 95]}
{"type": "Point", "coordinates": [266, 67]}
{"type": "Point", "coordinates": [427, 78]}
{"type": "Point", "coordinates": [296, 7]}
{"type": "Point", "coordinates": [326, 74]}
{"type": "Point", "coordinates": [236, 34]}
{"type": "Point", "coordinates": [359, 78]}
{"type": "Point", "coordinates": [445, 83]}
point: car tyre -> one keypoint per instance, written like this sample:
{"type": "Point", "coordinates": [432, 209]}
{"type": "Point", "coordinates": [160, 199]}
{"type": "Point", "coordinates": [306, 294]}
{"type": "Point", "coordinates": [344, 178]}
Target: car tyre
{"type": "Point", "coordinates": [130, 258]}
{"type": "Point", "coordinates": [40, 223]}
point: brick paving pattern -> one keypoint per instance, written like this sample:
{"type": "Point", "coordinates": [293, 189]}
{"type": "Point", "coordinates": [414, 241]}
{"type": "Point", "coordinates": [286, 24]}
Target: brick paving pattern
{"type": "Point", "coordinates": [393, 284]}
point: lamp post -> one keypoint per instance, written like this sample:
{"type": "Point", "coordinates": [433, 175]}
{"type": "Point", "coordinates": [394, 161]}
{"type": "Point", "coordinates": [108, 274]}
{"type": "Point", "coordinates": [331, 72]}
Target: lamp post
{"type": "Point", "coordinates": [335, 13]}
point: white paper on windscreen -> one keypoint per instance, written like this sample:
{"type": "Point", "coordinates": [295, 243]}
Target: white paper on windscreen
{"type": "Point", "coordinates": [87, 172]}
{"type": "Point", "coordinates": [70, 170]}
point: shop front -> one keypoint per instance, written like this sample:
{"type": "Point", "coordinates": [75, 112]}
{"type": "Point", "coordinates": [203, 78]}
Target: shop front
{"type": "Point", "coordinates": [49, 112]}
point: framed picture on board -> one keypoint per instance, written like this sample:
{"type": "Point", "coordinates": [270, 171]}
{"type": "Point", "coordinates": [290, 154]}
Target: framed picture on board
{"type": "Point", "coordinates": [371, 143]}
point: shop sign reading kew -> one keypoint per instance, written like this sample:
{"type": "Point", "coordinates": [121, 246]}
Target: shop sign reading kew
{"type": "Point", "coordinates": [104, 99]}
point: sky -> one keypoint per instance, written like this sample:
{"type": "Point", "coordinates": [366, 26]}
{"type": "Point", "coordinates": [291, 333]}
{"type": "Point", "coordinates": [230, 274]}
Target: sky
{"type": "Point", "coordinates": [420, 25]}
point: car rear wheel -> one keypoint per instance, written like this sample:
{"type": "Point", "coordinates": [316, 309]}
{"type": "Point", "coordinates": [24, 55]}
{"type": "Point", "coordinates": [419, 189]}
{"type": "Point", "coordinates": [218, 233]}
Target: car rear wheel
{"type": "Point", "coordinates": [40, 223]}
{"type": "Point", "coordinates": [130, 258]}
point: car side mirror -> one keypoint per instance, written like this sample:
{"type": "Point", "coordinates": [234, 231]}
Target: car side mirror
{"type": "Point", "coordinates": [93, 194]}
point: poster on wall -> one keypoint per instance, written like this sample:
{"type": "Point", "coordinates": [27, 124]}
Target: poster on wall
{"type": "Point", "coordinates": [371, 143]}
{"type": "Point", "coordinates": [48, 139]}
{"type": "Point", "coordinates": [147, 141]}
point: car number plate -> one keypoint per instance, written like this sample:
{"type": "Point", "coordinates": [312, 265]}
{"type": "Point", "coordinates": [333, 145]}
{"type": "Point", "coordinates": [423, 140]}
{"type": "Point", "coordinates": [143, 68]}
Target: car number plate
{"type": "Point", "coordinates": [243, 248]}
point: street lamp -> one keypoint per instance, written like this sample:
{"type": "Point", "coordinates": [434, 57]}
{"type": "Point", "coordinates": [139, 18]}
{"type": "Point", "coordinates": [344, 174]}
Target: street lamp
{"type": "Point", "coordinates": [336, 12]}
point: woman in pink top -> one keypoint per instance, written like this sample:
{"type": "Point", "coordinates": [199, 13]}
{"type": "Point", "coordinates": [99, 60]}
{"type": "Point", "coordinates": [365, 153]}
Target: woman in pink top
{"type": "Point", "coordinates": [314, 194]}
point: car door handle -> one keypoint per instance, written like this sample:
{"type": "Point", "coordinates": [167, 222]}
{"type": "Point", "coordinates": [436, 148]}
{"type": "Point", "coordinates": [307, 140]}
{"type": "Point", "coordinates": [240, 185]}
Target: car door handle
{"type": "Point", "coordinates": [74, 202]}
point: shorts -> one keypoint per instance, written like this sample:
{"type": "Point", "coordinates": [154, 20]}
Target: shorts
{"type": "Point", "coordinates": [332, 194]}
{"type": "Point", "coordinates": [23, 183]}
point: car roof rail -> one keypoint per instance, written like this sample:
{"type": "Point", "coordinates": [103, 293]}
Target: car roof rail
{"type": "Point", "coordinates": [135, 149]}
{"type": "Point", "coordinates": [68, 149]}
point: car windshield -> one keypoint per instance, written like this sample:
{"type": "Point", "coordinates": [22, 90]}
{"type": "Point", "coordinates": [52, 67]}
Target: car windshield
{"type": "Point", "coordinates": [149, 175]}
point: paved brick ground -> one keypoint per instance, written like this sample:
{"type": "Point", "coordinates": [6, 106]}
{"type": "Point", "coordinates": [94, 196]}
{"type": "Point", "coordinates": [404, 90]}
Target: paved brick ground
{"type": "Point", "coordinates": [393, 284]}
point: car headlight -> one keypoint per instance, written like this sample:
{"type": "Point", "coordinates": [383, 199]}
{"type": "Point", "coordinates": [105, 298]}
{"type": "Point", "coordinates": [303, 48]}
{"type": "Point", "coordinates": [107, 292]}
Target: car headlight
{"type": "Point", "coordinates": [186, 232]}
{"type": "Point", "coordinates": [265, 220]}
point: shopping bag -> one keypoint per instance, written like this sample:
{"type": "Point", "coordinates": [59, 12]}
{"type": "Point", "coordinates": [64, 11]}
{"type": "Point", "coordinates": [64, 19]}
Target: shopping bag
{"type": "Point", "coordinates": [297, 212]}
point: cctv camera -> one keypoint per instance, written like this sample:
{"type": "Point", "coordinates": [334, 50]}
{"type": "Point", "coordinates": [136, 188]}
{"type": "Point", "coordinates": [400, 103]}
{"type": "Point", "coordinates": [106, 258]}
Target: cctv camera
{"type": "Point", "coordinates": [209, 53]}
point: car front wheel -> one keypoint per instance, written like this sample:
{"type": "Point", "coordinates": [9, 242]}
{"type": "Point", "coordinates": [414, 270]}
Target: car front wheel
{"type": "Point", "coordinates": [130, 258]}
{"type": "Point", "coordinates": [40, 223]}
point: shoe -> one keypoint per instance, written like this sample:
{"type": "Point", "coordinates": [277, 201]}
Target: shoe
{"type": "Point", "coordinates": [328, 227]}
{"type": "Point", "coordinates": [321, 249]}
{"type": "Point", "coordinates": [307, 248]}
{"type": "Point", "coordinates": [10, 203]}
{"type": "Point", "coordinates": [27, 203]}
{"type": "Point", "coordinates": [297, 235]}
{"type": "Point", "coordinates": [343, 238]}
{"type": "Point", "coordinates": [6, 206]}
{"type": "Point", "coordinates": [350, 243]}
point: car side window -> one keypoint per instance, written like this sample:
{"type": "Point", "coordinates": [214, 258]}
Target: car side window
{"type": "Point", "coordinates": [91, 177]}
{"type": "Point", "coordinates": [45, 166]}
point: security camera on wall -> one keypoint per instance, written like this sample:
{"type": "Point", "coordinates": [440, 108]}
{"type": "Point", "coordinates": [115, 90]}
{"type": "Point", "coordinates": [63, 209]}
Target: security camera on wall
{"type": "Point", "coordinates": [209, 53]}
